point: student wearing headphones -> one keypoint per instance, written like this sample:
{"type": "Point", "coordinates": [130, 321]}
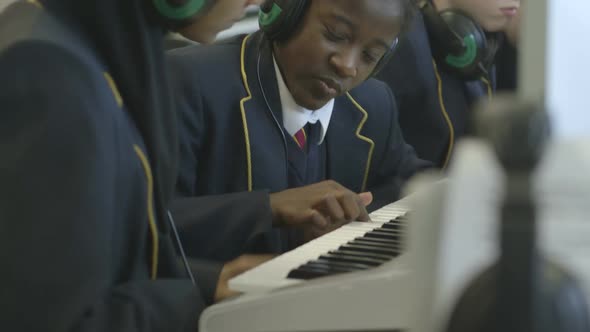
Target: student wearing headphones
{"type": "Point", "coordinates": [88, 152]}
{"type": "Point", "coordinates": [287, 126]}
{"type": "Point", "coordinates": [442, 66]}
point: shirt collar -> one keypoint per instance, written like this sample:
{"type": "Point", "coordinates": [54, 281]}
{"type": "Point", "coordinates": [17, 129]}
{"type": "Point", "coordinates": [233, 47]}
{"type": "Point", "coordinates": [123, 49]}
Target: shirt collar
{"type": "Point", "coordinates": [296, 117]}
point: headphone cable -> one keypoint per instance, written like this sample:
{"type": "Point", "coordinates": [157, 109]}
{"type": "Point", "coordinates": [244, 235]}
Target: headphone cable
{"type": "Point", "coordinates": [180, 249]}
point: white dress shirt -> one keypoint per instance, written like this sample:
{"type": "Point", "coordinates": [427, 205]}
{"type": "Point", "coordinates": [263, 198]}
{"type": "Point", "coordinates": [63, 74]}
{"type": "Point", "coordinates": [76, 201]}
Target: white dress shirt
{"type": "Point", "coordinates": [296, 117]}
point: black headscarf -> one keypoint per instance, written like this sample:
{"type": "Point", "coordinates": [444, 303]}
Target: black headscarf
{"type": "Point", "coordinates": [129, 41]}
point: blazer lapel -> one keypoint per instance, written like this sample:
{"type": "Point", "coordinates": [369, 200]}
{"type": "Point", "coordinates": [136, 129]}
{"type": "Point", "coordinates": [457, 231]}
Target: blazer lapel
{"type": "Point", "coordinates": [349, 151]}
{"type": "Point", "coordinates": [266, 164]}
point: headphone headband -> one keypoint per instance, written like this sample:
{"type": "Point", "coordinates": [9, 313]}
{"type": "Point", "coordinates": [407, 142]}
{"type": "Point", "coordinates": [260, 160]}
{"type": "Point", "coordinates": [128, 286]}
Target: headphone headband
{"type": "Point", "coordinates": [178, 10]}
{"type": "Point", "coordinates": [178, 13]}
{"type": "Point", "coordinates": [280, 19]}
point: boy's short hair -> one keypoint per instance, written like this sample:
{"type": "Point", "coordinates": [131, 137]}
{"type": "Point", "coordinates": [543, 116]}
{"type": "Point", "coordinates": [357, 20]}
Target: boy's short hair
{"type": "Point", "coordinates": [409, 8]}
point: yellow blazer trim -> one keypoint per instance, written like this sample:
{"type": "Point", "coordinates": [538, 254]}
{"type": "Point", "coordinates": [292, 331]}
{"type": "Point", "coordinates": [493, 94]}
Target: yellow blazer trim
{"type": "Point", "coordinates": [114, 88]}
{"type": "Point", "coordinates": [363, 138]}
{"type": "Point", "coordinates": [489, 87]}
{"type": "Point", "coordinates": [150, 210]}
{"type": "Point", "coordinates": [445, 114]}
{"type": "Point", "coordinates": [243, 111]}
{"type": "Point", "coordinates": [296, 142]}
{"type": "Point", "coordinates": [35, 3]}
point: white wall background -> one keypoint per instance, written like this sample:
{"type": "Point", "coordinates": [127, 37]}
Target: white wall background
{"type": "Point", "coordinates": [568, 71]}
{"type": "Point", "coordinates": [555, 62]}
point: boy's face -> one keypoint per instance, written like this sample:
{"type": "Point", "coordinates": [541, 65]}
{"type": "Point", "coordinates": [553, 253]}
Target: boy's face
{"type": "Point", "coordinates": [337, 47]}
{"type": "Point", "coordinates": [492, 15]}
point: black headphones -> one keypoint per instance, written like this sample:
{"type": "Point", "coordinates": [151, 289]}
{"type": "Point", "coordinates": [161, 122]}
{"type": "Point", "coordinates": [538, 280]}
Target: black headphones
{"type": "Point", "coordinates": [279, 19]}
{"type": "Point", "coordinates": [177, 13]}
{"type": "Point", "coordinates": [459, 45]}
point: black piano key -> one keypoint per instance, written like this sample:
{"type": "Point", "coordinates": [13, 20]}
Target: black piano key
{"type": "Point", "coordinates": [381, 257]}
{"type": "Point", "coordinates": [299, 273]}
{"type": "Point", "coordinates": [369, 262]}
{"type": "Point", "coordinates": [379, 235]}
{"type": "Point", "coordinates": [389, 242]}
{"type": "Point", "coordinates": [366, 242]}
{"type": "Point", "coordinates": [388, 228]}
{"type": "Point", "coordinates": [397, 227]}
{"type": "Point", "coordinates": [319, 268]}
{"type": "Point", "coordinates": [391, 225]}
{"type": "Point", "coordinates": [350, 266]}
{"type": "Point", "coordinates": [373, 257]}
{"type": "Point", "coordinates": [378, 241]}
{"type": "Point", "coordinates": [369, 249]}
{"type": "Point", "coordinates": [376, 247]}
{"type": "Point", "coordinates": [336, 266]}
{"type": "Point", "coordinates": [392, 250]}
{"type": "Point", "coordinates": [392, 232]}
{"type": "Point", "coordinates": [310, 271]}
{"type": "Point", "coordinates": [396, 241]}
{"type": "Point", "coordinates": [399, 220]}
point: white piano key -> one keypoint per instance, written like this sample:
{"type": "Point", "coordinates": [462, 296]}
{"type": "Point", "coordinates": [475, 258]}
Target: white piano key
{"type": "Point", "coordinates": [273, 274]}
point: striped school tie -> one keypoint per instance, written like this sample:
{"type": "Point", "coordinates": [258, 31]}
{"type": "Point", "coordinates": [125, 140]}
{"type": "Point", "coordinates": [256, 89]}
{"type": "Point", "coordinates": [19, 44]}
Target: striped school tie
{"type": "Point", "coordinates": [301, 138]}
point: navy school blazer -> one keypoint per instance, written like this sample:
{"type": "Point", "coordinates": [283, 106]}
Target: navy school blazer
{"type": "Point", "coordinates": [434, 106]}
{"type": "Point", "coordinates": [232, 141]}
{"type": "Point", "coordinates": [79, 249]}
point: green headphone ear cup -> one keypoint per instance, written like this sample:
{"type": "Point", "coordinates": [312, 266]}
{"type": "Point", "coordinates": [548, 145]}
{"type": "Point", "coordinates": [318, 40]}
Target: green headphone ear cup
{"type": "Point", "coordinates": [458, 44]}
{"type": "Point", "coordinates": [191, 8]}
{"type": "Point", "coordinates": [467, 58]}
{"type": "Point", "coordinates": [268, 18]}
